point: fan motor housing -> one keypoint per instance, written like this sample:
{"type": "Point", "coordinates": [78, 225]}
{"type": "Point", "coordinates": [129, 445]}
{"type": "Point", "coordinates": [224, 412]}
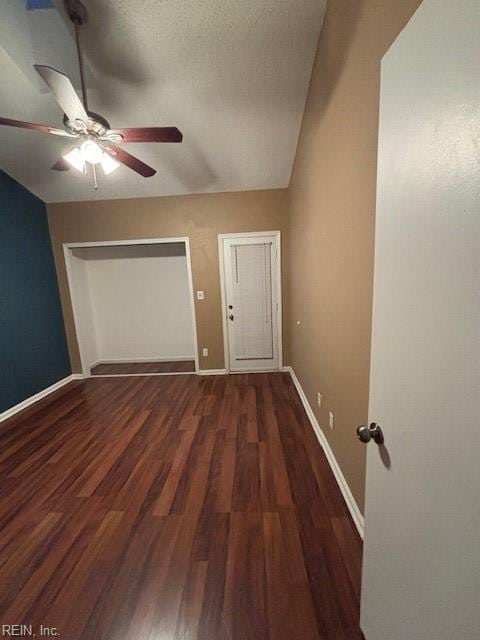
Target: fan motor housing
{"type": "Point", "coordinates": [98, 125]}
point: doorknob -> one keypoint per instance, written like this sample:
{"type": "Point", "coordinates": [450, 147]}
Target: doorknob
{"type": "Point", "coordinates": [231, 316]}
{"type": "Point", "coordinates": [366, 433]}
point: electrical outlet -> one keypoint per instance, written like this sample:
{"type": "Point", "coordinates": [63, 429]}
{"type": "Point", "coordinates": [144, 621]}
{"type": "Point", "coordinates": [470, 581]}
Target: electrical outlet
{"type": "Point", "coordinates": [330, 420]}
{"type": "Point", "coordinates": [205, 352]}
{"type": "Point", "coordinates": [319, 399]}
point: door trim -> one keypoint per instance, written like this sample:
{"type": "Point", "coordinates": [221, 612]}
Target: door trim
{"type": "Point", "coordinates": [278, 284]}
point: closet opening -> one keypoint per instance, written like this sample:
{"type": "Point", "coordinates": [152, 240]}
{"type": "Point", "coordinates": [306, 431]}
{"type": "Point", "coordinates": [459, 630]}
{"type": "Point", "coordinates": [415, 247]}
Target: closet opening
{"type": "Point", "coordinates": [133, 306]}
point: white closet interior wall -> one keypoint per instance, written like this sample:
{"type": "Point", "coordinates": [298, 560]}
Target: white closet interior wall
{"type": "Point", "coordinates": [133, 303]}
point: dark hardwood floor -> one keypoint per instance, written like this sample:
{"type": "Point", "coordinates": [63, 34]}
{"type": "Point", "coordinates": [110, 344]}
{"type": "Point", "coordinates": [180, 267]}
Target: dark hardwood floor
{"type": "Point", "coordinates": [172, 508]}
{"type": "Point", "coordinates": [179, 366]}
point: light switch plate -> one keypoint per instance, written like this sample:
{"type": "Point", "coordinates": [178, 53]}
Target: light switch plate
{"type": "Point", "coordinates": [205, 352]}
{"type": "Point", "coordinates": [200, 295]}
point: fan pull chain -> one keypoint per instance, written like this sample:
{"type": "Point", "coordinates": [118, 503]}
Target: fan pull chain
{"type": "Point", "coordinates": [95, 182]}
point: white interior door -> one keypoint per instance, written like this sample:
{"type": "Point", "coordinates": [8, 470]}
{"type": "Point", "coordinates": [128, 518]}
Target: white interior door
{"type": "Point", "coordinates": [251, 302]}
{"type": "Point", "coordinates": [421, 577]}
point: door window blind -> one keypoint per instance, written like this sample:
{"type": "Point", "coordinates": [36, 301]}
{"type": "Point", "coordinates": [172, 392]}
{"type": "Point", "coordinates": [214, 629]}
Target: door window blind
{"type": "Point", "coordinates": [252, 293]}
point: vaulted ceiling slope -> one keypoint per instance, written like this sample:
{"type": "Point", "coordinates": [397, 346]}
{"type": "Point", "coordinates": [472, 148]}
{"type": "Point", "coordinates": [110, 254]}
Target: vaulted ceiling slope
{"type": "Point", "coordinates": [232, 75]}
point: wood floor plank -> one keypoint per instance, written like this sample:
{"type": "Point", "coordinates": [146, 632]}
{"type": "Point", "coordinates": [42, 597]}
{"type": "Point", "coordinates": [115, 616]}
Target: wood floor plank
{"type": "Point", "coordinates": [112, 616]}
{"type": "Point", "coordinates": [79, 595]}
{"type": "Point", "coordinates": [111, 455]}
{"type": "Point", "coordinates": [180, 507]}
{"type": "Point", "coordinates": [192, 600]}
{"type": "Point", "coordinates": [166, 498]}
{"type": "Point", "coordinates": [212, 623]}
{"type": "Point", "coordinates": [40, 588]}
{"type": "Point", "coordinates": [223, 503]}
{"type": "Point", "coordinates": [245, 602]}
{"type": "Point", "coordinates": [284, 589]}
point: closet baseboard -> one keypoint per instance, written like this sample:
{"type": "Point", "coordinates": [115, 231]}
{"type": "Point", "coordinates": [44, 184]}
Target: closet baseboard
{"type": "Point", "coordinates": [142, 360]}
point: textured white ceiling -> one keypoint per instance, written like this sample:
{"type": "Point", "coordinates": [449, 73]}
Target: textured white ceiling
{"type": "Point", "coordinates": [231, 74]}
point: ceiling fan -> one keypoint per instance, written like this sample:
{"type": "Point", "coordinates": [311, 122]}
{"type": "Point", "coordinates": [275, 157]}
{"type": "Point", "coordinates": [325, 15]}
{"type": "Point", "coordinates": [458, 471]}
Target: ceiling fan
{"type": "Point", "coordinates": [96, 143]}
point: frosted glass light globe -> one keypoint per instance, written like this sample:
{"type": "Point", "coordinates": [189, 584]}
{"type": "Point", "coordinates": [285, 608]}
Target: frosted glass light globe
{"type": "Point", "coordinates": [91, 152]}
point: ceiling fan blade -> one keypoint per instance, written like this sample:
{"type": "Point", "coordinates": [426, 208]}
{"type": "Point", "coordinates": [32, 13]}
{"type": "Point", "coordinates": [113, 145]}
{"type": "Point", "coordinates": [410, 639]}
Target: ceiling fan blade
{"type": "Point", "coordinates": [66, 96]}
{"type": "Point", "coordinates": [61, 165]}
{"type": "Point", "coordinates": [150, 134]}
{"type": "Point", "coordinates": [130, 161]}
{"type": "Point", "coordinates": [44, 128]}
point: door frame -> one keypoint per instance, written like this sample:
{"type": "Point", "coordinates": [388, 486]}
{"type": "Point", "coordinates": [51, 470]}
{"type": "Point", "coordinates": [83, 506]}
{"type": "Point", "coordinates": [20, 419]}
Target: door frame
{"type": "Point", "coordinates": [67, 253]}
{"type": "Point", "coordinates": [278, 286]}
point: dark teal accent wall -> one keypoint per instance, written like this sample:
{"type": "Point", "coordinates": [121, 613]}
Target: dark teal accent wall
{"type": "Point", "coordinates": [33, 349]}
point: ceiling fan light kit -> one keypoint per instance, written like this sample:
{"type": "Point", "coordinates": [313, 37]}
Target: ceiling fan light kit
{"type": "Point", "coordinates": [96, 141]}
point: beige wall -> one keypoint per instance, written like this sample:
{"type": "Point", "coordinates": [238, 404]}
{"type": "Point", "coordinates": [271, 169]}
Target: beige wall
{"type": "Point", "coordinates": [332, 207]}
{"type": "Point", "coordinates": [200, 217]}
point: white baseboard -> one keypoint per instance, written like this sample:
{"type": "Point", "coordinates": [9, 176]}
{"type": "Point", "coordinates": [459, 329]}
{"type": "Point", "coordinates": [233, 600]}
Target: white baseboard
{"type": "Point", "coordinates": [141, 360]}
{"type": "Point", "coordinates": [38, 396]}
{"type": "Point", "coordinates": [212, 372]}
{"type": "Point", "coordinates": [200, 372]}
{"type": "Point", "coordinates": [335, 467]}
{"type": "Point", "coordinates": [243, 371]}
{"type": "Point", "coordinates": [139, 375]}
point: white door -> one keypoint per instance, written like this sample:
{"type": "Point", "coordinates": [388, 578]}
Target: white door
{"type": "Point", "coordinates": [421, 577]}
{"type": "Point", "coordinates": [250, 301]}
